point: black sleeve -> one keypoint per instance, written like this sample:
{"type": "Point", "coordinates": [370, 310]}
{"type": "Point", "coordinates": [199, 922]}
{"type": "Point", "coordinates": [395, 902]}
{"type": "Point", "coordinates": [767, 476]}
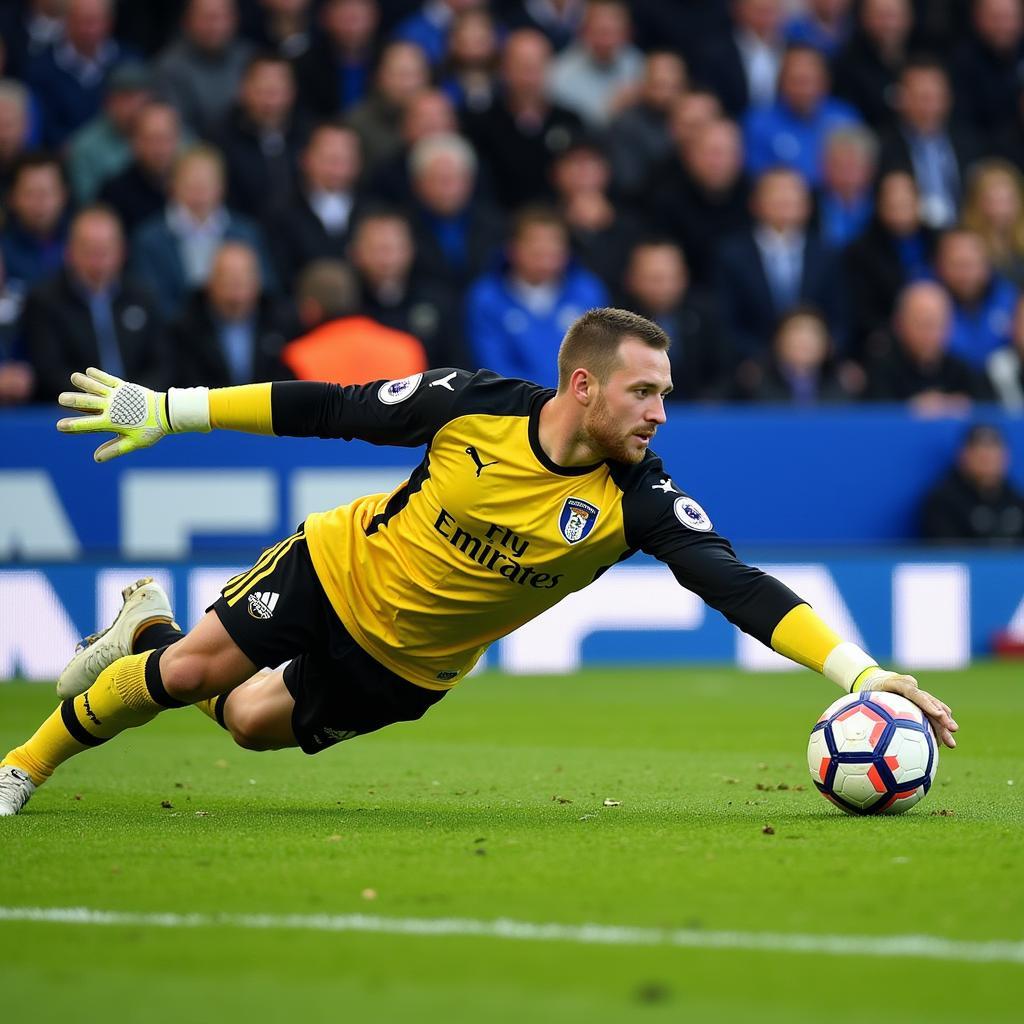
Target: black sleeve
{"type": "Point", "coordinates": [663, 521]}
{"type": "Point", "coordinates": [406, 412]}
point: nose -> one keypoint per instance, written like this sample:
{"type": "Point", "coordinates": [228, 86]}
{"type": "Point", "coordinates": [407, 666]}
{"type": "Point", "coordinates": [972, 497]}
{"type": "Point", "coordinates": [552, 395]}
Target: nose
{"type": "Point", "coordinates": [656, 410]}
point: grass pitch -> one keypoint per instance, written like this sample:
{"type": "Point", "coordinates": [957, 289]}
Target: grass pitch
{"type": "Point", "coordinates": [494, 807]}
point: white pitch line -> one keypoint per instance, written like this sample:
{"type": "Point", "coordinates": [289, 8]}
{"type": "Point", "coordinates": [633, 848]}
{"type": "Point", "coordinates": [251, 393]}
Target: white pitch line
{"type": "Point", "coordinates": [925, 946]}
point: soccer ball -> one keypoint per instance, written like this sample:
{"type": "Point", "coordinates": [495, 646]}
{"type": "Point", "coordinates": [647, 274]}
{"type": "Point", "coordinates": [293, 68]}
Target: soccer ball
{"type": "Point", "coordinates": [873, 753]}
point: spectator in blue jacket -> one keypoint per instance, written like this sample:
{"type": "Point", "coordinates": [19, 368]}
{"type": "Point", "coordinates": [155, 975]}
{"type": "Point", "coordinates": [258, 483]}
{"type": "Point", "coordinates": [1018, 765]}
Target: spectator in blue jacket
{"type": "Point", "coordinates": [428, 28]}
{"type": "Point", "coordinates": [516, 315]}
{"type": "Point", "coordinates": [172, 252]}
{"type": "Point", "coordinates": [983, 301]}
{"type": "Point", "coordinates": [845, 202]}
{"type": "Point", "coordinates": [792, 131]}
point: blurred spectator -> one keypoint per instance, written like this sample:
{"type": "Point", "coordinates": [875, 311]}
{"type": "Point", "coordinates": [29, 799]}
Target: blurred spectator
{"type": "Point", "coordinates": [799, 370]}
{"type": "Point", "coordinates": [895, 250]}
{"type": "Point", "coordinates": [342, 345]}
{"type": "Point", "coordinates": [1005, 366]}
{"type": "Point", "coordinates": [987, 66]}
{"type": "Point", "coordinates": [602, 233]}
{"type": "Point", "coordinates": [315, 222]}
{"type": "Point", "coordinates": [69, 77]}
{"type": "Point", "coordinates": [456, 234]}
{"type": "Point", "coordinates": [918, 367]}
{"type": "Point", "coordinates": [141, 189]}
{"type": "Point", "coordinates": [35, 229]}
{"type": "Point", "coordinates": [701, 194]}
{"type": "Point", "coordinates": [639, 138]}
{"type": "Point", "coordinates": [88, 315]}
{"type": "Point", "coordinates": [173, 251]}
{"type": "Point", "coordinates": [519, 136]}
{"type": "Point", "coordinates": [382, 254]}
{"type": "Point", "coordinates": [765, 271]}
{"type": "Point", "coordinates": [17, 379]}
{"type": "Point", "coordinates": [976, 502]}
{"type": "Point", "coordinates": [845, 202]}
{"type": "Point", "coordinates": [743, 67]}
{"type": "Point", "coordinates": [401, 73]}
{"type": "Point", "coordinates": [657, 286]}
{"type": "Point", "coordinates": [469, 74]}
{"type": "Point", "coordinates": [428, 113]}
{"type": "Point", "coordinates": [231, 331]}
{"type": "Point", "coordinates": [30, 111]}
{"type": "Point", "coordinates": [29, 29]}
{"type": "Point", "coordinates": [261, 136]}
{"type": "Point", "coordinates": [925, 142]}
{"type": "Point", "coordinates": [690, 114]}
{"type": "Point", "coordinates": [101, 148]}
{"type": "Point", "coordinates": [599, 74]}
{"type": "Point", "coordinates": [558, 20]}
{"type": "Point", "coordinates": [994, 209]}
{"type": "Point", "coordinates": [334, 73]}
{"type": "Point", "coordinates": [825, 25]}
{"type": "Point", "coordinates": [983, 301]}
{"type": "Point", "coordinates": [282, 26]}
{"type": "Point", "coordinates": [791, 131]}
{"type": "Point", "coordinates": [516, 315]}
{"type": "Point", "coordinates": [202, 69]}
{"type": "Point", "coordinates": [14, 128]}
{"type": "Point", "coordinates": [430, 26]}
{"type": "Point", "coordinates": [866, 69]}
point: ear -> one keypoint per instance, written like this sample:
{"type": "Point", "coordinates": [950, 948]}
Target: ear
{"type": "Point", "coordinates": [583, 386]}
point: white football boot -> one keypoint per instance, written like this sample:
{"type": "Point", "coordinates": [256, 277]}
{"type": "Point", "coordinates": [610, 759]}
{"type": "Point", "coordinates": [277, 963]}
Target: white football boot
{"type": "Point", "coordinates": [144, 603]}
{"type": "Point", "coordinates": [15, 789]}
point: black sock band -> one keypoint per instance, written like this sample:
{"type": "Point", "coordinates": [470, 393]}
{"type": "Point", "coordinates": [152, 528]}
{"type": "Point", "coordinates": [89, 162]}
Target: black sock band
{"type": "Point", "coordinates": [219, 703]}
{"type": "Point", "coordinates": [157, 634]}
{"type": "Point", "coordinates": [155, 684]}
{"type": "Point", "coordinates": [78, 732]}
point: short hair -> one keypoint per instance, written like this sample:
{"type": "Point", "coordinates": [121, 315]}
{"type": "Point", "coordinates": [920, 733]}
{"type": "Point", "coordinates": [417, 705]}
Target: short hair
{"type": "Point", "coordinates": [34, 160]}
{"type": "Point", "coordinates": [533, 214]}
{"type": "Point", "coordinates": [593, 341]}
{"type": "Point", "coordinates": [331, 285]}
{"type": "Point", "coordinates": [856, 135]}
{"type": "Point", "coordinates": [97, 210]}
{"type": "Point", "coordinates": [265, 56]}
{"type": "Point", "coordinates": [201, 151]}
{"type": "Point", "coordinates": [447, 144]}
{"type": "Point", "coordinates": [924, 62]}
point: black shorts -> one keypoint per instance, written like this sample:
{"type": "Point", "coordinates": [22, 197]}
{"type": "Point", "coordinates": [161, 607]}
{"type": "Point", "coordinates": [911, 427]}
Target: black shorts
{"type": "Point", "coordinates": [277, 611]}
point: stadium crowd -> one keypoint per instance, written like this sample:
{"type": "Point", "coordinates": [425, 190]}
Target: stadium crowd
{"type": "Point", "coordinates": [820, 201]}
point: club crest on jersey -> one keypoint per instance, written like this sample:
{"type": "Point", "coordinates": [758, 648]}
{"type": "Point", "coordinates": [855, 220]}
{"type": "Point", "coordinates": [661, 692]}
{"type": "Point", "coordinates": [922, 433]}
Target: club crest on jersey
{"type": "Point", "coordinates": [577, 519]}
{"type": "Point", "coordinates": [691, 515]}
{"type": "Point", "coordinates": [394, 391]}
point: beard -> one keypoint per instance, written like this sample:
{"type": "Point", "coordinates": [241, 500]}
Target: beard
{"type": "Point", "coordinates": [610, 439]}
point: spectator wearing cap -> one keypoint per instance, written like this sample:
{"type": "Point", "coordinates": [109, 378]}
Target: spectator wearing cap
{"type": "Point", "coordinates": [517, 314]}
{"type": "Point", "coordinates": [69, 77]}
{"type": "Point", "coordinates": [599, 74]}
{"type": "Point", "coordinates": [457, 233]}
{"type": "Point", "coordinates": [140, 190]}
{"type": "Point", "coordinates": [101, 148]}
{"type": "Point", "coordinates": [383, 254]}
{"type": "Point", "coordinates": [791, 131]}
{"type": "Point", "coordinates": [976, 502]}
{"type": "Point", "coordinates": [657, 285]}
{"type": "Point", "coordinates": [767, 270]}
{"type": "Point", "coordinates": [866, 69]}
{"type": "Point", "coordinates": [14, 127]}
{"type": "Point", "coordinates": [261, 136]}
{"type": "Point", "coordinates": [845, 201]}
{"type": "Point", "coordinates": [524, 130]}
{"type": "Point", "coordinates": [88, 314]}
{"type": "Point", "coordinates": [334, 73]}
{"type": "Point", "coordinates": [825, 25]}
{"type": "Point", "coordinates": [340, 343]}
{"type": "Point", "coordinates": [742, 67]}
{"type": "Point", "coordinates": [201, 70]}
{"type": "Point", "coordinates": [316, 221]}
{"type": "Point", "coordinates": [602, 232]}
{"type": "Point", "coordinates": [639, 138]}
{"type": "Point", "coordinates": [172, 252]}
{"type": "Point", "coordinates": [983, 301]}
{"type": "Point", "coordinates": [917, 366]}
{"type": "Point", "coordinates": [231, 330]}
{"type": "Point", "coordinates": [35, 229]}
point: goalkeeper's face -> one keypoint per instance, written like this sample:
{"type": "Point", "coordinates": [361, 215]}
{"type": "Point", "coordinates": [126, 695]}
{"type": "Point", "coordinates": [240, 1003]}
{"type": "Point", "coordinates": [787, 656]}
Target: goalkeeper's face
{"type": "Point", "coordinates": [630, 406]}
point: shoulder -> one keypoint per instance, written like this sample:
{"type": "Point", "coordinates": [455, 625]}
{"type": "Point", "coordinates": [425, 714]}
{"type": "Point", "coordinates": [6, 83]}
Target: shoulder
{"type": "Point", "coordinates": [489, 394]}
{"type": "Point", "coordinates": [652, 498]}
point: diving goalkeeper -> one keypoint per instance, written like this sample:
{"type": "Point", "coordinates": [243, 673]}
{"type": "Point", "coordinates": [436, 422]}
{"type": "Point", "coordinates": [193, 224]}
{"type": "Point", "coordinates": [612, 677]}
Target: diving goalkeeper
{"type": "Point", "coordinates": [380, 607]}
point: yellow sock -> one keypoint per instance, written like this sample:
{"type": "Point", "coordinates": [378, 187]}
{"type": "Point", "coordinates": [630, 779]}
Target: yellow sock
{"type": "Point", "coordinates": [121, 698]}
{"type": "Point", "coordinates": [213, 708]}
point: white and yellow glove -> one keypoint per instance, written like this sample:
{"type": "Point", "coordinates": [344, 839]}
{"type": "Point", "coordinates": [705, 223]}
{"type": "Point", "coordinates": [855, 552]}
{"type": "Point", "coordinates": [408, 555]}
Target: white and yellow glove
{"type": "Point", "coordinates": [140, 416]}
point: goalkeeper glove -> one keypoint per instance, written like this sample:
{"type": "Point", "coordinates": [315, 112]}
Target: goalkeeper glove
{"type": "Point", "coordinates": [140, 416]}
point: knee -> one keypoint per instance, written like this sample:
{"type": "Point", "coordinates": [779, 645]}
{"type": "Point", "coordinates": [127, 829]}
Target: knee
{"type": "Point", "coordinates": [184, 676]}
{"type": "Point", "coordinates": [247, 728]}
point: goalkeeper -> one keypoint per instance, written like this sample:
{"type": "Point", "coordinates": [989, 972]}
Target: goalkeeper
{"type": "Point", "coordinates": [524, 495]}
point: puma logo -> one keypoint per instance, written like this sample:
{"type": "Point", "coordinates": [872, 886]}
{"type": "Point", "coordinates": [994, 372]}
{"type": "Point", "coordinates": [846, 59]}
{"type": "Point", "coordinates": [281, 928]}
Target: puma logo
{"type": "Point", "coordinates": [445, 382]}
{"type": "Point", "coordinates": [480, 466]}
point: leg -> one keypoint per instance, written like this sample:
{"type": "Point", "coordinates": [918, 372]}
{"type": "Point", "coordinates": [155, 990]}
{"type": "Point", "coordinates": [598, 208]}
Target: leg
{"type": "Point", "coordinates": [259, 713]}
